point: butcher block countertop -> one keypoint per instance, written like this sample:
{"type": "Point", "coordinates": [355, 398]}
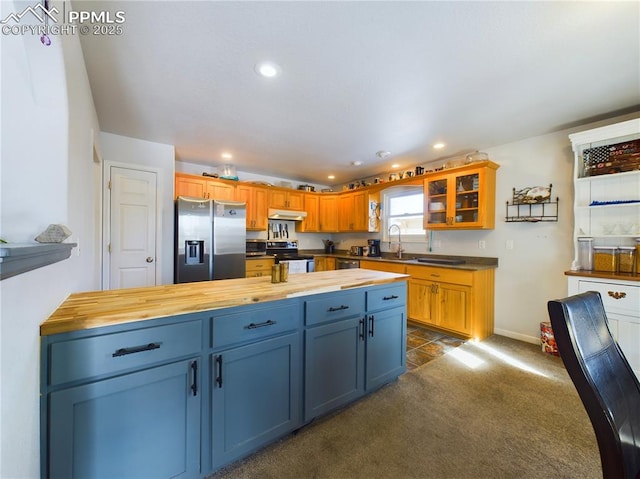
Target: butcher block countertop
{"type": "Point", "coordinates": [107, 308]}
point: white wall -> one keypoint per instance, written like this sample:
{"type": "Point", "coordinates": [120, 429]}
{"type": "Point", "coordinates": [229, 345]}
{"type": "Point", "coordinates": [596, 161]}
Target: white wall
{"type": "Point", "coordinates": [161, 157]}
{"type": "Point", "coordinates": [46, 176]}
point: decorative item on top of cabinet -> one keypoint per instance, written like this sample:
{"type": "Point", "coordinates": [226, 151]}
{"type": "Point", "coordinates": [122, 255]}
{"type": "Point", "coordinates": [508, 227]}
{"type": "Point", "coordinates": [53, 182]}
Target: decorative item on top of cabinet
{"type": "Point", "coordinates": [532, 204]}
{"type": "Point", "coordinates": [461, 197]}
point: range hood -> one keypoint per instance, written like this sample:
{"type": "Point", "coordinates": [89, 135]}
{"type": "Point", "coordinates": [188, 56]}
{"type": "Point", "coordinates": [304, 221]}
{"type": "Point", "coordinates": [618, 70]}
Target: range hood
{"type": "Point", "coordinates": [278, 214]}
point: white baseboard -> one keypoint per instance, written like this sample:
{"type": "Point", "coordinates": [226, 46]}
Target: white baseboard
{"type": "Point", "coordinates": [521, 337]}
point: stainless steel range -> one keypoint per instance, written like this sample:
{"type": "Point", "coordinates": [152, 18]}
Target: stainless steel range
{"type": "Point", "coordinates": [288, 251]}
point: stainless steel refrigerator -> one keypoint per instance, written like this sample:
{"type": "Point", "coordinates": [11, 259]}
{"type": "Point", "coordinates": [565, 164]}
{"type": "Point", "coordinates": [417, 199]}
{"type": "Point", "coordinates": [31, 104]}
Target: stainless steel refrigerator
{"type": "Point", "coordinates": [210, 239]}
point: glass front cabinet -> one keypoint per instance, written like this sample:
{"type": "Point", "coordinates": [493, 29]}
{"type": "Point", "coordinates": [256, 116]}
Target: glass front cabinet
{"type": "Point", "coordinates": [461, 198]}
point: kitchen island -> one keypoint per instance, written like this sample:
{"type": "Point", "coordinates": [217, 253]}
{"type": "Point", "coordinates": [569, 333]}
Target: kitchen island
{"type": "Point", "coordinates": [180, 380]}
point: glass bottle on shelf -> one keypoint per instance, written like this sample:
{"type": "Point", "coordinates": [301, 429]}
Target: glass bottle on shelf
{"type": "Point", "coordinates": [585, 254]}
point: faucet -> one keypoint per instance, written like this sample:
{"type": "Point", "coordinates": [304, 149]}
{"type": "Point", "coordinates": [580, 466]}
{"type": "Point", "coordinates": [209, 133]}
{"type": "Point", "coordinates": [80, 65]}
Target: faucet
{"type": "Point", "coordinates": [399, 252]}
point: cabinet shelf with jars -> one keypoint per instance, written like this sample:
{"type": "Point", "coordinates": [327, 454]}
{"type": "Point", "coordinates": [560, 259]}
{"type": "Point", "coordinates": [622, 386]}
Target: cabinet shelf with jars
{"type": "Point", "coordinates": [461, 198]}
{"type": "Point", "coordinates": [606, 186]}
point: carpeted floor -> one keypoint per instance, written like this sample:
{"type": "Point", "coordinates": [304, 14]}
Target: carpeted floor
{"type": "Point", "coordinates": [447, 419]}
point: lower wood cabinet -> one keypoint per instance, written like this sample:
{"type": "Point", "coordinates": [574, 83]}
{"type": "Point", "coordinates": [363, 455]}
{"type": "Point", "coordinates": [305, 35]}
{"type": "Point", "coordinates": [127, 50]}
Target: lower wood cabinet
{"type": "Point", "coordinates": [324, 263]}
{"type": "Point", "coordinates": [258, 267]}
{"type": "Point", "coordinates": [455, 301]}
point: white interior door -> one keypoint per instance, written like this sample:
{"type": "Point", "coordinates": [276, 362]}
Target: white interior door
{"type": "Point", "coordinates": [132, 232]}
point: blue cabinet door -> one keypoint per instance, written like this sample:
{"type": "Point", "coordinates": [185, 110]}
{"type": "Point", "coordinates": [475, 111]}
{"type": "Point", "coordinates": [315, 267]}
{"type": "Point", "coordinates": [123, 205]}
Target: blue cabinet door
{"type": "Point", "coordinates": [256, 396]}
{"type": "Point", "coordinates": [334, 365]}
{"type": "Point", "coordinates": [386, 345]}
{"type": "Point", "coordinates": [140, 425]}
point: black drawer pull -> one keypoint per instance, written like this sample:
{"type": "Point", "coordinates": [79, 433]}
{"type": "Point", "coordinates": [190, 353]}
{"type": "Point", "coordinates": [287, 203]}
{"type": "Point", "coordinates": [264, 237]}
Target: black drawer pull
{"type": "Point", "coordinates": [387, 298]}
{"type": "Point", "coordinates": [135, 349]}
{"type": "Point", "coordinates": [259, 325]}
{"type": "Point", "coordinates": [219, 378]}
{"type": "Point", "coordinates": [194, 384]}
{"type": "Point", "coordinates": [340, 308]}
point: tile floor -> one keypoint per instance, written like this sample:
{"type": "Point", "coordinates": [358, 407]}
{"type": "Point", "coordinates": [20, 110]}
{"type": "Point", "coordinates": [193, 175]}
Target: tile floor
{"type": "Point", "coordinates": [424, 345]}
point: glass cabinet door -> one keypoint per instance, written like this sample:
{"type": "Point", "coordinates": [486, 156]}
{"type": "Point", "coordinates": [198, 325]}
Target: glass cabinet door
{"type": "Point", "coordinates": [436, 201]}
{"type": "Point", "coordinates": [467, 201]}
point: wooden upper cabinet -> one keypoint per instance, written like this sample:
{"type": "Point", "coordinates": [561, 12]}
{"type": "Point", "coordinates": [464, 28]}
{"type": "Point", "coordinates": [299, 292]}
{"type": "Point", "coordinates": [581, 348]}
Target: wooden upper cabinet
{"type": "Point", "coordinates": [328, 213]}
{"type": "Point", "coordinates": [353, 211]}
{"type": "Point", "coordinates": [200, 187]}
{"type": "Point", "coordinates": [217, 190]}
{"type": "Point", "coordinates": [289, 199]}
{"type": "Point", "coordinates": [256, 199]}
{"type": "Point", "coordinates": [189, 185]}
{"type": "Point", "coordinates": [461, 198]}
{"type": "Point", "coordinates": [312, 222]}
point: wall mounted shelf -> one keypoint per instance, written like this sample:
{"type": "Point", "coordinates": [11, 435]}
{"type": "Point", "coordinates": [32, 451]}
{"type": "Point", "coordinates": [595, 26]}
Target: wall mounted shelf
{"type": "Point", "coordinates": [22, 257]}
{"type": "Point", "coordinates": [524, 208]}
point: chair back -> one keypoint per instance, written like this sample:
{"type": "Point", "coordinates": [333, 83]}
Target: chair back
{"type": "Point", "coordinates": [605, 382]}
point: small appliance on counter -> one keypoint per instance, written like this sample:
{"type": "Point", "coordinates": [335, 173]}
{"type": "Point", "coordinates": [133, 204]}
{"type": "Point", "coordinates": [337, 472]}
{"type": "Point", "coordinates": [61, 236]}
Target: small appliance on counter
{"type": "Point", "coordinates": [374, 248]}
{"type": "Point", "coordinates": [356, 250]}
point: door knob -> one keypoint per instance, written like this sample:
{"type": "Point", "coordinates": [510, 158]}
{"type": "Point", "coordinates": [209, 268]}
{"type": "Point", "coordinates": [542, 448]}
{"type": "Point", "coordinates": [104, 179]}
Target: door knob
{"type": "Point", "coordinates": [149, 259]}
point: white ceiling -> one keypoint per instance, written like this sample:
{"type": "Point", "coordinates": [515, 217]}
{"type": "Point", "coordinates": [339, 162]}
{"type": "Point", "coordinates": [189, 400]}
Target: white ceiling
{"type": "Point", "coordinates": [358, 77]}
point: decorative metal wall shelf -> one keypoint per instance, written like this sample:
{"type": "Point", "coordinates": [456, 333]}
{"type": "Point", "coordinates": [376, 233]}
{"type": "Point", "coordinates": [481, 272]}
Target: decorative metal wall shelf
{"type": "Point", "coordinates": [532, 205]}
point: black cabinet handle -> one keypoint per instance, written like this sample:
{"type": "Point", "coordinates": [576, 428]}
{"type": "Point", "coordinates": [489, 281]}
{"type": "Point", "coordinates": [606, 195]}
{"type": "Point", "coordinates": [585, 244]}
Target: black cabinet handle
{"type": "Point", "coordinates": [387, 298]}
{"type": "Point", "coordinates": [135, 349]}
{"type": "Point", "coordinates": [362, 328]}
{"type": "Point", "coordinates": [259, 325]}
{"type": "Point", "coordinates": [219, 378]}
{"type": "Point", "coordinates": [339, 308]}
{"type": "Point", "coordinates": [194, 384]}
{"type": "Point", "coordinates": [371, 325]}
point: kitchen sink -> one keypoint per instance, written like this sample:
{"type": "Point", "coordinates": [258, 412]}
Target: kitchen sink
{"type": "Point", "coordinates": [446, 261]}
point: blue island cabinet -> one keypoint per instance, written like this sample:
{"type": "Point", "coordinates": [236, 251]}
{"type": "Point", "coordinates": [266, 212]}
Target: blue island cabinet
{"type": "Point", "coordinates": [183, 396]}
{"type": "Point", "coordinates": [354, 343]}
{"type": "Point", "coordinates": [256, 367]}
{"type": "Point", "coordinates": [123, 403]}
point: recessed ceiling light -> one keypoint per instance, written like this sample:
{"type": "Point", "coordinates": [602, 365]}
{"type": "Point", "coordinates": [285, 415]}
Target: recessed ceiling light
{"type": "Point", "coordinates": [382, 153]}
{"type": "Point", "coordinates": [356, 163]}
{"type": "Point", "coordinates": [439, 146]}
{"type": "Point", "coordinates": [267, 69]}
{"type": "Point", "coordinates": [395, 165]}
{"type": "Point", "coordinates": [227, 156]}
{"type": "Point", "coordinates": [331, 177]}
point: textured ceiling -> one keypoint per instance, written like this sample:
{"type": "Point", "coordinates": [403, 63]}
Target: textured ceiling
{"type": "Point", "coordinates": [358, 77]}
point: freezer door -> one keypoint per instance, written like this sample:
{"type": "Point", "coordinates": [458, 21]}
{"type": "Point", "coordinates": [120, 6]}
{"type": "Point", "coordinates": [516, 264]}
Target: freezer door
{"type": "Point", "coordinates": [193, 240]}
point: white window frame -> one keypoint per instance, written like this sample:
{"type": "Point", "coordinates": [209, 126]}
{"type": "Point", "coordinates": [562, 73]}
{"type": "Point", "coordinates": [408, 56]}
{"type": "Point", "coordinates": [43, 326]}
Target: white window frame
{"type": "Point", "coordinates": [394, 192]}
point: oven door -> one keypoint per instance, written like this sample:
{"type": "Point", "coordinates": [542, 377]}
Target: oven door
{"type": "Point", "coordinates": [296, 266]}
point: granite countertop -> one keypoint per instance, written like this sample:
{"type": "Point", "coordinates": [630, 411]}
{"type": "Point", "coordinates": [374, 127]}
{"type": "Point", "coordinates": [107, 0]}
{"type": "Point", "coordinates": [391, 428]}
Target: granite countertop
{"type": "Point", "coordinates": [473, 263]}
{"type": "Point", "coordinates": [107, 308]}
